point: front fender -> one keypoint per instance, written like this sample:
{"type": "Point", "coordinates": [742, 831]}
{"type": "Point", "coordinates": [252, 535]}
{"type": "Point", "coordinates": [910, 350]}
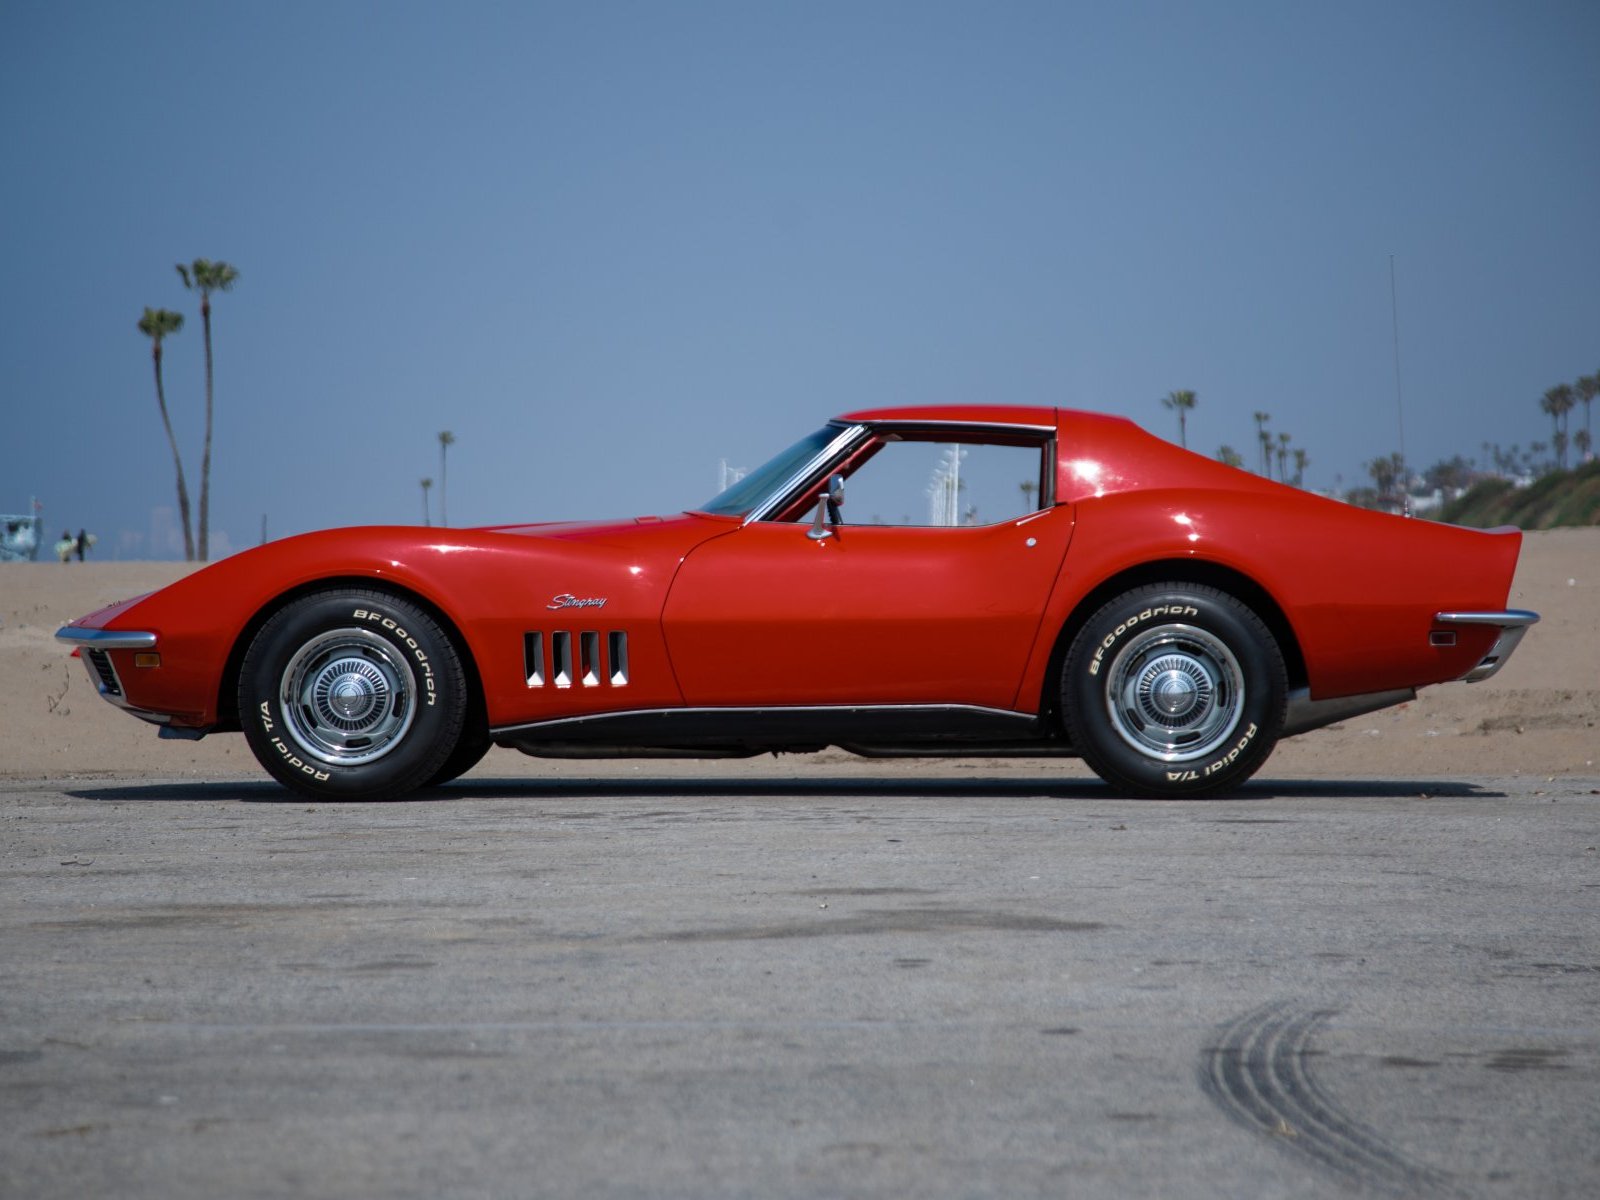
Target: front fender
{"type": "Point", "coordinates": [492, 586]}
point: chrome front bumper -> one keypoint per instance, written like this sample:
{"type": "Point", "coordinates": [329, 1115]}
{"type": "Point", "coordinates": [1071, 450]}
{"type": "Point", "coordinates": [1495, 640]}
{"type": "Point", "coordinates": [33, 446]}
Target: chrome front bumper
{"type": "Point", "coordinates": [92, 645]}
{"type": "Point", "coordinates": [106, 639]}
{"type": "Point", "coordinates": [1513, 624]}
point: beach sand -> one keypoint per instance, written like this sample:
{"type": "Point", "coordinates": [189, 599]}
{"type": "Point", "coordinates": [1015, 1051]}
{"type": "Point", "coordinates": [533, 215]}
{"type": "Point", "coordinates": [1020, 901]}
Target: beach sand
{"type": "Point", "coordinates": [1539, 716]}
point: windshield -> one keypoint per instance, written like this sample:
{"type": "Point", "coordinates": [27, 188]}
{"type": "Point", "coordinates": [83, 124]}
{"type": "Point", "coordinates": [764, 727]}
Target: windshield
{"type": "Point", "coordinates": [745, 494]}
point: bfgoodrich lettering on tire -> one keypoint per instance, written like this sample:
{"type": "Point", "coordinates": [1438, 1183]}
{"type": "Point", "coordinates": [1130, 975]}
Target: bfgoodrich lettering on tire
{"type": "Point", "coordinates": [352, 694]}
{"type": "Point", "coordinates": [1174, 690]}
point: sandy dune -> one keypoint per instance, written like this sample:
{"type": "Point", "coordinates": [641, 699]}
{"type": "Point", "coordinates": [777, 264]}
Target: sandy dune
{"type": "Point", "coordinates": [1541, 715]}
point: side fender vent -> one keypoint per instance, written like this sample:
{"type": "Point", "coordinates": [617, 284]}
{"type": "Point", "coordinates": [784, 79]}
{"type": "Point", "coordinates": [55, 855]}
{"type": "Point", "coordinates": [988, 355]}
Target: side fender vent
{"type": "Point", "coordinates": [617, 654]}
{"type": "Point", "coordinates": [589, 669]}
{"type": "Point", "coordinates": [533, 658]}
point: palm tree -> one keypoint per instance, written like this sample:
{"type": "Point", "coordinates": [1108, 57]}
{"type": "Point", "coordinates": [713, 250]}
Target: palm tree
{"type": "Point", "coordinates": [1265, 439]}
{"type": "Point", "coordinates": [1588, 387]}
{"type": "Point", "coordinates": [1229, 456]}
{"type": "Point", "coordinates": [205, 277]}
{"type": "Point", "coordinates": [1181, 403]}
{"type": "Point", "coordinates": [156, 324]}
{"type": "Point", "coordinates": [1301, 458]}
{"type": "Point", "coordinates": [1557, 402]}
{"type": "Point", "coordinates": [427, 519]}
{"type": "Point", "coordinates": [446, 440]}
{"type": "Point", "coordinates": [1548, 406]}
{"type": "Point", "coordinates": [1029, 487]}
{"type": "Point", "coordinates": [1387, 476]}
{"type": "Point", "coordinates": [1283, 457]}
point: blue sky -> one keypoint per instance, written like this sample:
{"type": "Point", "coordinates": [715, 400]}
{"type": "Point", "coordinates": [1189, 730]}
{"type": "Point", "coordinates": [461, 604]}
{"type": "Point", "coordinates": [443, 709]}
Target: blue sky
{"type": "Point", "coordinates": [610, 244]}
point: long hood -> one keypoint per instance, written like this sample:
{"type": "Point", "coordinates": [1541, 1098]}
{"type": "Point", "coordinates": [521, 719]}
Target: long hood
{"type": "Point", "coordinates": [469, 571]}
{"type": "Point", "coordinates": [618, 533]}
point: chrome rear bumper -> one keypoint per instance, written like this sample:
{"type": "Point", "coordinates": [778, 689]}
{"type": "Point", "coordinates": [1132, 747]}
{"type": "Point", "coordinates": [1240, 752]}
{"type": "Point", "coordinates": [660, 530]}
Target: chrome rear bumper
{"type": "Point", "coordinates": [1513, 624]}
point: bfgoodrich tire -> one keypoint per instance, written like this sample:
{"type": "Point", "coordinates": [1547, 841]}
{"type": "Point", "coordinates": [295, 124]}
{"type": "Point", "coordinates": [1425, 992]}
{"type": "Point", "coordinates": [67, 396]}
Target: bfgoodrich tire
{"type": "Point", "coordinates": [468, 753]}
{"type": "Point", "coordinates": [353, 695]}
{"type": "Point", "coordinates": [1174, 690]}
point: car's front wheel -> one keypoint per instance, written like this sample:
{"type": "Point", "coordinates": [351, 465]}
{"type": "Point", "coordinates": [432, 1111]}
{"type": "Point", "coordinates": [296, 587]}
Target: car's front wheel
{"type": "Point", "coordinates": [468, 753]}
{"type": "Point", "coordinates": [352, 694]}
{"type": "Point", "coordinates": [1174, 690]}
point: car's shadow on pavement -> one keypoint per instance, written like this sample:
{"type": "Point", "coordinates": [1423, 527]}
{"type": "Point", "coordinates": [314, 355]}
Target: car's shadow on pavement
{"type": "Point", "coordinates": [979, 788]}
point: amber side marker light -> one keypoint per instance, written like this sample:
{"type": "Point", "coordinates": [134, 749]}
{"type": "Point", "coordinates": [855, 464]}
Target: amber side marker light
{"type": "Point", "coordinates": [147, 660]}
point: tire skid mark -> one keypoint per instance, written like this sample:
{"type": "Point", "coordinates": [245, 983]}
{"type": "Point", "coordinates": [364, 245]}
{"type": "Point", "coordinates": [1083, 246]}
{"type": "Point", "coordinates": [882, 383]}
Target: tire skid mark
{"type": "Point", "coordinates": [1258, 1073]}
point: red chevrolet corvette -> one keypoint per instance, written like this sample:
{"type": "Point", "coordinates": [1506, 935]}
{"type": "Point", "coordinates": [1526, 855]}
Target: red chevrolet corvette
{"type": "Point", "coordinates": [1002, 581]}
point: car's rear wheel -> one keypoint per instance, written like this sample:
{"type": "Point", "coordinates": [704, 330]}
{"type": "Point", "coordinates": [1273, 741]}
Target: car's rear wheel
{"type": "Point", "coordinates": [352, 694]}
{"type": "Point", "coordinates": [1174, 690]}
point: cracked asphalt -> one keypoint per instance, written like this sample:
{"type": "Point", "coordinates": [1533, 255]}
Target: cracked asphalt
{"type": "Point", "coordinates": [695, 980]}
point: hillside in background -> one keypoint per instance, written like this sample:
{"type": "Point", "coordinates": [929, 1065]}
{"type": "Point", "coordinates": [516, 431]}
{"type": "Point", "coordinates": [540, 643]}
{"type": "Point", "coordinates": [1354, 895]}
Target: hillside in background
{"type": "Point", "coordinates": [1559, 498]}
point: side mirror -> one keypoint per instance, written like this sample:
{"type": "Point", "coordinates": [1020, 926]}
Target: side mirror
{"type": "Point", "coordinates": [825, 524]}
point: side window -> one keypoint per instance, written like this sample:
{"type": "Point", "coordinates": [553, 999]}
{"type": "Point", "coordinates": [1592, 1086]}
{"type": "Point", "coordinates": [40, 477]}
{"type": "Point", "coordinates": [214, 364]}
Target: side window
{"type": "Point", "coordinates": [941, 483]}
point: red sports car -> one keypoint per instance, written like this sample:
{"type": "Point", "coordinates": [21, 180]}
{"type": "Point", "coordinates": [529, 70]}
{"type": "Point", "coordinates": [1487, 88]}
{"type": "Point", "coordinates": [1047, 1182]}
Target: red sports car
{"type": "Point", "coordinates": [1003, 581]}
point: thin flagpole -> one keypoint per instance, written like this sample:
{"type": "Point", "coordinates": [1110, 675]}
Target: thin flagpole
{"type": "Point", "coordinates": [1399, 399]}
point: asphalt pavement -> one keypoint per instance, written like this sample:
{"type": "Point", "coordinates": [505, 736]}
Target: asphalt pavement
{"type": "Point", "coordinates": [690, 982]}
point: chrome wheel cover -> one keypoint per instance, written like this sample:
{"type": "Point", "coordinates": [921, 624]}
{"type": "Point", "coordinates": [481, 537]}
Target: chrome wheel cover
{"type": "Point", "coordinates": [348, 697]}
{"type": "Point", "coordinates": [1175, 693]}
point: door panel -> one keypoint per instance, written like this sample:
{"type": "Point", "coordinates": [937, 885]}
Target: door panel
{"type": "Point", "coordinates": [874, 615]}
